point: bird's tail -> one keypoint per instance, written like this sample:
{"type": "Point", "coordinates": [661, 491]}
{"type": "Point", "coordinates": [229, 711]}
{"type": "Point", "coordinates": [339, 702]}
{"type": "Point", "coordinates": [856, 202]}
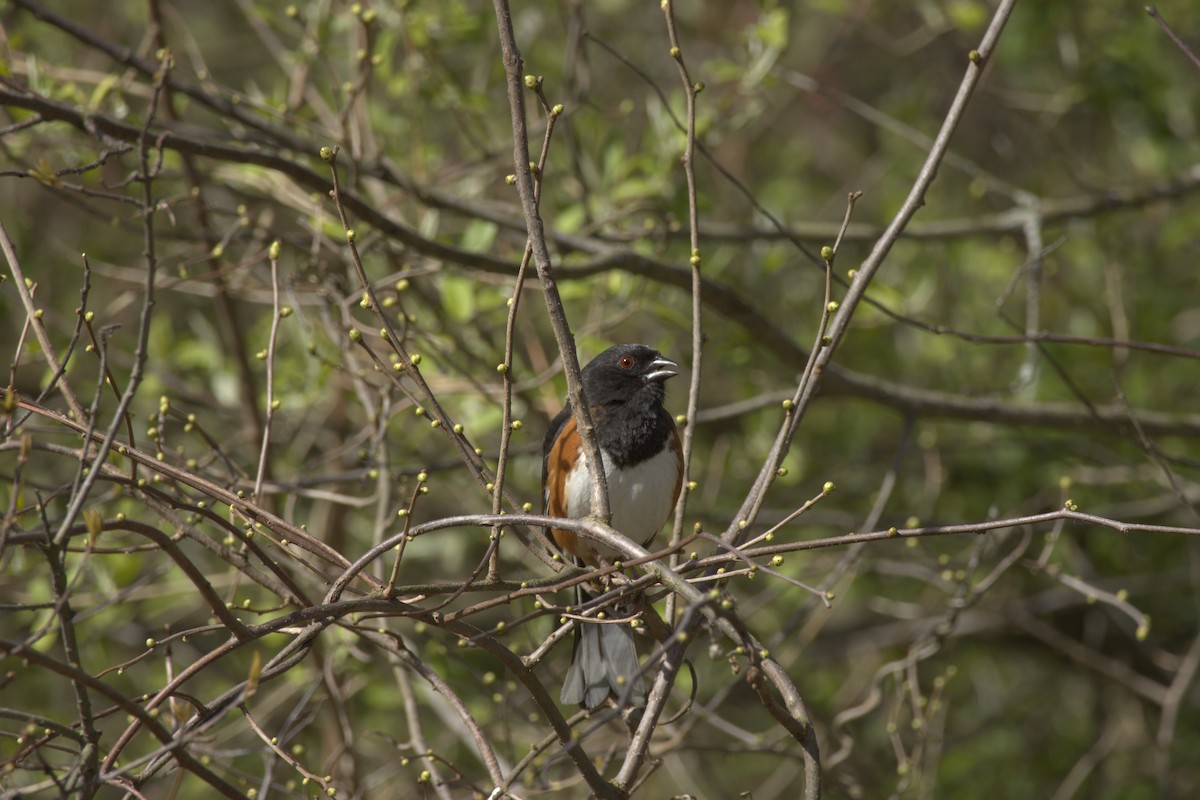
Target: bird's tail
{"type": "Point", "coordinates": [604, 662]}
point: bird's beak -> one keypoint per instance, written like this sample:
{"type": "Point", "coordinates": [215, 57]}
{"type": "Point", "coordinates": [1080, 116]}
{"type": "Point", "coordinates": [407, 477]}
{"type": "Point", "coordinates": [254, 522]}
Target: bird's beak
{"type": "Point", "coordinates": [661, 369]}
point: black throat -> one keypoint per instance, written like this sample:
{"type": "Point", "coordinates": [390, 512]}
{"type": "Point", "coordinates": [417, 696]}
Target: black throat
{"type": "Point", "coordinates": [634, 430]}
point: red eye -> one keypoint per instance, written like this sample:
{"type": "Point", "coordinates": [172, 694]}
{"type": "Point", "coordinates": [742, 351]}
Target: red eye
{"type": "Point", "coordinates": [626, 362]}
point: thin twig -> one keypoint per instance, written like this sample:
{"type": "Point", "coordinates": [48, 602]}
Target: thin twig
{"type": "Point", "coordinates": [34, 317]}
{"type": "Point", "coordinates": [515, 81]}
{"type": "Point", "coordinates": [276, 316]}
{"type": "Point", "coordinates": [1183, 48]}
{"type": "Point", "coordinates": [840, 323]}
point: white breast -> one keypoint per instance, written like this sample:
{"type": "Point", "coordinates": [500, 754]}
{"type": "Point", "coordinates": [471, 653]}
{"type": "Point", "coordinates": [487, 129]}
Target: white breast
{"type": "Point", "coordinates": [641, 497]}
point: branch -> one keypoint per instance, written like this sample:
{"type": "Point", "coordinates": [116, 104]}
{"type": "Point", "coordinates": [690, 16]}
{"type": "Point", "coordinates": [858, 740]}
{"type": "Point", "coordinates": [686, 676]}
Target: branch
{"type": "Point", "coordinates": [841, 321]}
{"type": "Point", "coordinates": [718, 295]}
{"type": "Point", "coordinates": [541, 260]}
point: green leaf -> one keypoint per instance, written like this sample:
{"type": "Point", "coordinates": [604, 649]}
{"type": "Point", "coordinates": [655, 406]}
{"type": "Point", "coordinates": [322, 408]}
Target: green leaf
{"type": "Point", "coordinates": [479, 236]}
{"type": "Point", "coordinates": [458, 297]}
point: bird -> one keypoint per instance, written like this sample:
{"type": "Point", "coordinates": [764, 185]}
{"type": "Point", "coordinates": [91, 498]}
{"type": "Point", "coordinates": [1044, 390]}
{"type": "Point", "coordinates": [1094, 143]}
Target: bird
{"type": "Point", "coordinates": [643, 466]}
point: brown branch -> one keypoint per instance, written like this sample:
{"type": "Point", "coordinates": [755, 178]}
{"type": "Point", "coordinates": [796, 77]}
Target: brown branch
{"type": "Point", "coordinates": [718, 295]}
{"type": "Point", "coordinates": [175, 747]}
{"type": "Point", "coordinates": [1179, 43]}
{"type": "Point", "coordinates": [515, 81]}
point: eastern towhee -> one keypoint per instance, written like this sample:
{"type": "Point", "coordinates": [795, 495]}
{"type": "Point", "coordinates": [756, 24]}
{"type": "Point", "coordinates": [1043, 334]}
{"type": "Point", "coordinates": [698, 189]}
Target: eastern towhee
{"type": "Point", "coordinates": [643, 465]}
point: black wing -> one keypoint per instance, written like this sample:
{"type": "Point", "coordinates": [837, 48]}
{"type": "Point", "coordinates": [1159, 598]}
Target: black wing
{"type": "Point", "coordinates": [552, 432]}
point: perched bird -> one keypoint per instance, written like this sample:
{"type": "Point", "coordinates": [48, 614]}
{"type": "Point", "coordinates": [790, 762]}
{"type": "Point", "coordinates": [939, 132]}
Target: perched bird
{"type": "Point", "coordinates": [643, 466]}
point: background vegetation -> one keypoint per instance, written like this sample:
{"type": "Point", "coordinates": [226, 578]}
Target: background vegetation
{"type": "Point", "coordinates": [183, 499]}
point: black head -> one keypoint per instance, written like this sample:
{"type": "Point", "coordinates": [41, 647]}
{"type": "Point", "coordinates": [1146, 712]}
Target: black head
{"type": "Point", "coordinates": [624, 372]}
